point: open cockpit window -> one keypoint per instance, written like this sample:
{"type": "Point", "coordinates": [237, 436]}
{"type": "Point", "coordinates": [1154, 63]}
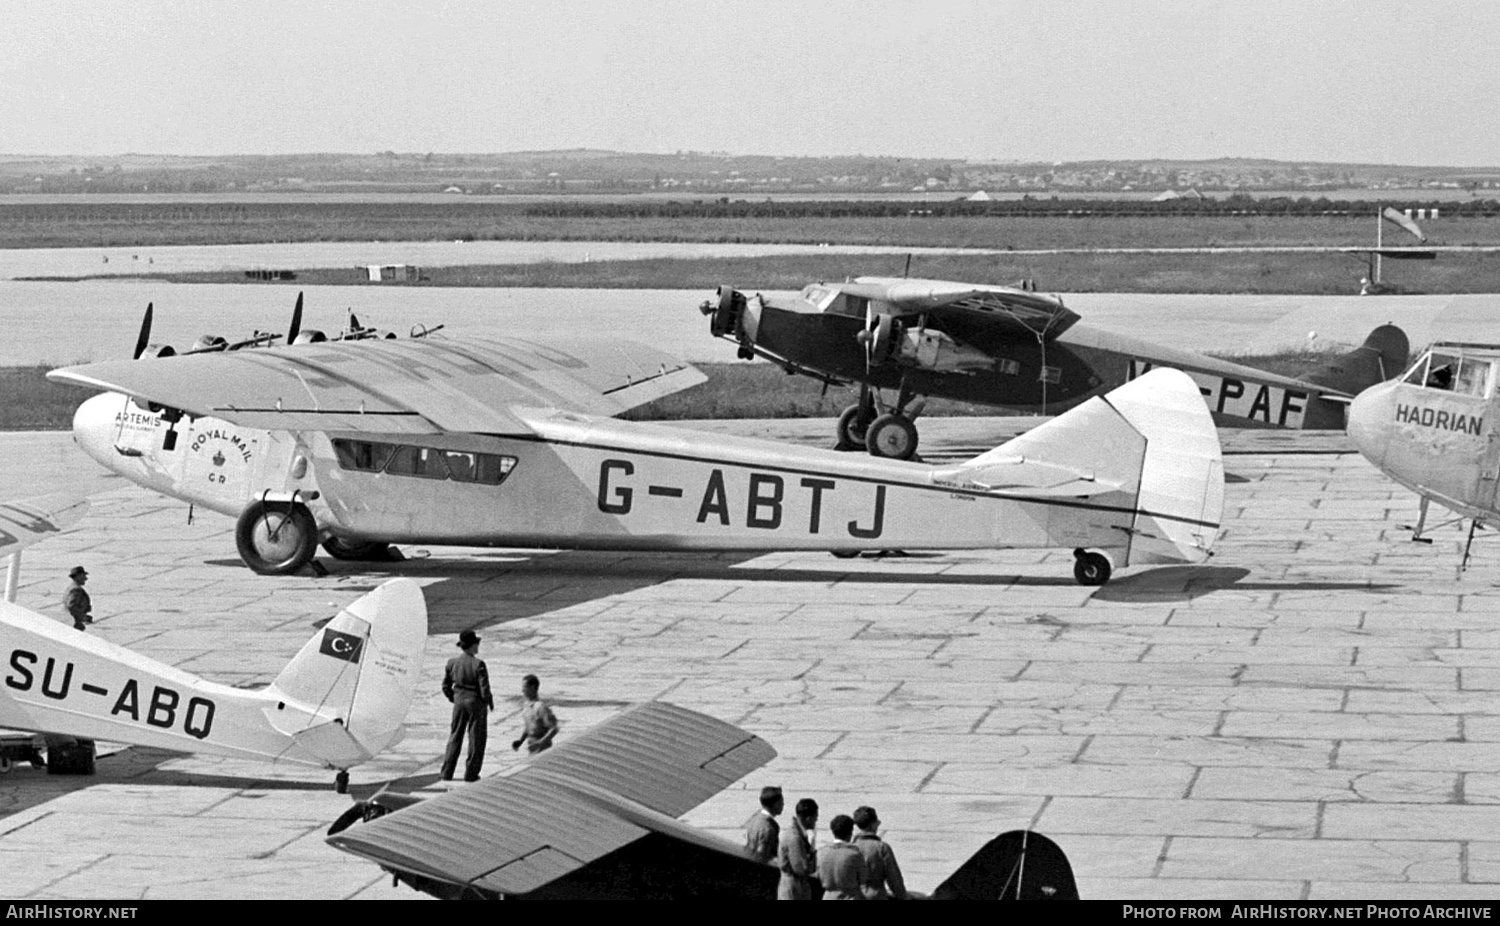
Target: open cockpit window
{"type": "Point", "coordinates": [1435, 371]}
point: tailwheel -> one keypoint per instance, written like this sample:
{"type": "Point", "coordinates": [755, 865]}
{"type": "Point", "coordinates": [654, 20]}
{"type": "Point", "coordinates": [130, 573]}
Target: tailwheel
{"type": "Point", "coordinates": [853, 424]}
{"type": "Point", "coordinates": [276, 538]}
{"type": "Point", "coordinates": [1090, 568]}
{"type": "Point", "coordinates": [892, 436]}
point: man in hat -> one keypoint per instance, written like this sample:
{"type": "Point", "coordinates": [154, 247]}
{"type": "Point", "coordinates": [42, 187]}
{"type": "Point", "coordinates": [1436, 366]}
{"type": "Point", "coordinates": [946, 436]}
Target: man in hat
{"type": "Point", "coordinates": [539, 724]}
{"type": "Point", "coordinates": [882, 880]}
{"type": "Point", "coordinates": [466, 682]}
{"type": "Point", "coordinates": [76, 601]}
{"type": "Point", "coordinates": [762, 832]}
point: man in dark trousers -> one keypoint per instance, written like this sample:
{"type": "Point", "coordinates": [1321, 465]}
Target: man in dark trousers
{"type": "Point", "coordinates": [466, 682]}
{"type": "Point", "coordinates": [762, 832]}
{"type": "Point", "coordinates": [76, 601]}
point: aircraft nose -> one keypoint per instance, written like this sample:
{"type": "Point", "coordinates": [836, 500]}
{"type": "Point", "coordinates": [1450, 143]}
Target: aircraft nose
{"type": "Point", "coordinates": [1370, 416]}
{"type": "Point", "coordinates": [95, 425]}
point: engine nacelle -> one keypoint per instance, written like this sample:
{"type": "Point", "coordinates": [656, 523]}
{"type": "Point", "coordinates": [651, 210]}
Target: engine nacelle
{"type": "Point", "coordinates": [939, 352]}
{"type": "Point", "coordinates": [310, 336]}
{"type": "Point", "coordinates": [208, 342]}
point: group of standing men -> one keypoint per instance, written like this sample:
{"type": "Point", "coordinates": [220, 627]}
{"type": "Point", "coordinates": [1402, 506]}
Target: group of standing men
{"type": "Point", "coordinates": [855, 866]}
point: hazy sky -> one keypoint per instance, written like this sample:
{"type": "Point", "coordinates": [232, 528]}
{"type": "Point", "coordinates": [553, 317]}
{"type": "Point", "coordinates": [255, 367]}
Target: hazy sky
{"type": "Point", "coordinates": [1388, 81]}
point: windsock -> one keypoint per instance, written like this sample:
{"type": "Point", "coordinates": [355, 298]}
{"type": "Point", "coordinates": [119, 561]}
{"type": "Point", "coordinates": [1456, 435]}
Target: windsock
{"type": "Point", "coordinates": [1391, 215]}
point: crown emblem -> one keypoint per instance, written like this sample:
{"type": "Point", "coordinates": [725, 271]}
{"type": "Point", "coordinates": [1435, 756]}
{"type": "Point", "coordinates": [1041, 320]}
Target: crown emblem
{"type": "Point", "coordinates": [219, 458]}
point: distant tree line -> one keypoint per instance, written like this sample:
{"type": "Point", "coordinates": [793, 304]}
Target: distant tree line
{"type": "Point", "coordinates": [1049, 207]}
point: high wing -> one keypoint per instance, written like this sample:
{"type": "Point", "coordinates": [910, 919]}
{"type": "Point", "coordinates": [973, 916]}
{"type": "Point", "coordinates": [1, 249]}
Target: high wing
{"type": "Point", "coordinates": [1189, 361]}
{"type": "Point", "coordinates": [412, 386]}
{"type": "Point", "coordinates": [1003, 306]}
{"type": "Point", "coordinates": [28, 520]}
{"type": "Point", "coordinates": [627, 777]}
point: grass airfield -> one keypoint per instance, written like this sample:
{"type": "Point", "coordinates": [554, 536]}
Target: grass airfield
{"type": "Point", "coordinates": [1311, 715]}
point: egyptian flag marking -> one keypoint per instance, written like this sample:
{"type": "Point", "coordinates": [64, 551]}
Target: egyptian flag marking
{"type": "Point", "coordinates": [345, 646]}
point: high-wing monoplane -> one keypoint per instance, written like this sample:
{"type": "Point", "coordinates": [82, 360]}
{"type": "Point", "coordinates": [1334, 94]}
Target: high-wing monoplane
{"type": "Point", "coordinates": [341, 701]}
{"type": "Point", "coordinates": [1435, 431]}
{"type": "Point", "coordinates": [504, 442]}
{"type": "Point", "coordinates": [1009, 347]}
{"type": "Point", "coordinates": [597, 818]}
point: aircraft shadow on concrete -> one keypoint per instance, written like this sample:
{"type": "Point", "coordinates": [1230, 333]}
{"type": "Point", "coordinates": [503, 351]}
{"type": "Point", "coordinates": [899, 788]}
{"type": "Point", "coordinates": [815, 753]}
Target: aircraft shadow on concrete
{"type": "Point", "coordinates": [1184, 583]}
{"type": "Point", "coordinates": [508, 586]}
{"type": "Point", "coordinates": [24, 787]}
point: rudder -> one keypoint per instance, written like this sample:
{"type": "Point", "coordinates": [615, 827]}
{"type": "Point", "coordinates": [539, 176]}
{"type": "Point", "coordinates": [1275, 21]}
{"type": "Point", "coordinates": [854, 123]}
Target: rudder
{"type": "Point", "coordinates": [361, 668]}
{"type": "Point", "coordinates": [1018, 865]}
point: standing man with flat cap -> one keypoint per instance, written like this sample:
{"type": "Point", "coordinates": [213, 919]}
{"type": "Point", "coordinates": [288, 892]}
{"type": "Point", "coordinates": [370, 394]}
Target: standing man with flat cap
{"type": "Point", "coordinates": [76, 601]}
{"type": "Point", "coordinates": [466, 682]}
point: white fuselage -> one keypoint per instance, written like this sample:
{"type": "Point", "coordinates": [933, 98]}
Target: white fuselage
{"type": "Point", "coordinates": [578, 481]}
{"type": "Point", "coordinates": [56, 679]}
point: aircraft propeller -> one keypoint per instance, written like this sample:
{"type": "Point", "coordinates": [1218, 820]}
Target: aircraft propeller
{"type": "Point", "coordinates": [296, 326]}
{"type": "Point", "coordinates": [143, 340]}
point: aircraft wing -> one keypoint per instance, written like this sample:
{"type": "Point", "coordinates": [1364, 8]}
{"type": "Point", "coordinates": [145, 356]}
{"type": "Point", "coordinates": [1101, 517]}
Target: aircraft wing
{"type": "Point", "coordinates": [1160, 355]}
{"type": "Point", "coordinates": [24, 522]}
{"type": "Point", "coordinates": [1003, 305]}
{"type": "Point", "coordinates": [412, 386]}
{"type": "Point", "coordinates": [570, 806]}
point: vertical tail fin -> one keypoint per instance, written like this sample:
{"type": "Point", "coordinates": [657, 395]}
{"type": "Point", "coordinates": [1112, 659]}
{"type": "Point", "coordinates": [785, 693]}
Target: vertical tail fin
{"type": "Point", "coordinates": [352, 683]}
{"type": "Point", "coordinates": [1152, 437]}
{"type": "Point", "coordinates": [1018, 865]}
{"type": "Point", "coordinates": [1383, 355]}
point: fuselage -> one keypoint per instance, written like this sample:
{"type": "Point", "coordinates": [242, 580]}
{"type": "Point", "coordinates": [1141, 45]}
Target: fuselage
{"type": "Point", "coordinates": [55, 679]}
{"type": "Point", "coordinates": [1020, 371]}
{"type": "Point", "coordinates": [1434, 430]}
{"type": "Point", "coordinates": [578, 481]}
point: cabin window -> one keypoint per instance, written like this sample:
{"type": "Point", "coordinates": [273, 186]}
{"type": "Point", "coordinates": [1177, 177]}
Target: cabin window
{"type": "Point", "coordinates": [362, 455]}
{"type": "Point", "coordinates": [1474, 377]}
{"type": "Point", "coordinates": [818, 296]}
{"type": "Point", "coordinates": [485, 468]}
{"type": "Point", "coordinates": [422, 462]}
{"type": "Point", "coordinates": [1008, 367]}
{"type": "Point", "coordinates": [1051, 375]}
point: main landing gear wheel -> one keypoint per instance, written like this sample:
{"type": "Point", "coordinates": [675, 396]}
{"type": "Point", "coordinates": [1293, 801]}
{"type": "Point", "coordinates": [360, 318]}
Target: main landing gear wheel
{"type": "Point", "coordinates": [341, 781]}
{"type": "Point", "coordinates": [851, 429]}
{"type": "Point", "coordinates": [892, 436]}
{"type": "Point", "coordinates": [1090, 568]}
{"type": "Point", "coordinates": [365, 550]}
{"type": "Point", "coordinates": [276, 538]}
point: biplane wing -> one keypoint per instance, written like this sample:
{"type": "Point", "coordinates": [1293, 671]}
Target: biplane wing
{"type": "Point", "coordinates": [407, 386]}
{"type": "Point", "coordinates": [570, 807]}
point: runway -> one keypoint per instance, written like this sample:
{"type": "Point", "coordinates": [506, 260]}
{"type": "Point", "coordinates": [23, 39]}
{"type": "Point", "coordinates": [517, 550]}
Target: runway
{"type": "Point", "coordinates": [1312, 715]}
